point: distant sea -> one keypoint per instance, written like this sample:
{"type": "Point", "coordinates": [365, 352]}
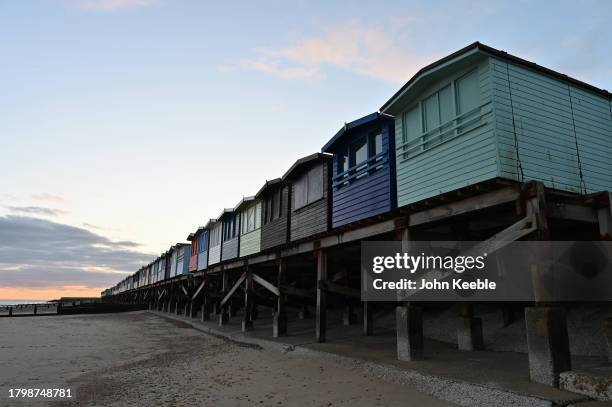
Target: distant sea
{"type": "Point", "coordinates": [17, 302]}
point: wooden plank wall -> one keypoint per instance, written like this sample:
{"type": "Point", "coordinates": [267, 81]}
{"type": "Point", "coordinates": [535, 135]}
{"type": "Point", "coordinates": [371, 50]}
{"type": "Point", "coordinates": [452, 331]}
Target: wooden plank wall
{"type": "Point", "coordinates": [547, 118]}
{"type": "Point", "coordinates": [313, 218]}
{"type": "Point", "coordinates": [460, 161]}
{"type": "Point", "coordinates": [276, 233]}
{"type": "Point", "coordinates": [369, 196]}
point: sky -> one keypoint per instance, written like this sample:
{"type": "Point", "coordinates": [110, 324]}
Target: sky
{"type": "Point", "coordinates": [126, 124]}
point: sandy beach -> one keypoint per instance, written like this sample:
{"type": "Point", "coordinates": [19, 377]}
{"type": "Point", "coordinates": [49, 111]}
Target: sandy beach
{"type": "Point", "coordinates": [141, 359]}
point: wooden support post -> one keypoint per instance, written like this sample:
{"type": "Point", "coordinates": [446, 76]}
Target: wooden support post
{"type": "Point", "coordinates": [547, 337]}
{"type": "Point", "coordinates": [35, 309]}
{"type": "Point", "coordinates": [368, 318]}
{"type": "Point", "coordinates": [348, 316]}
{"type": "Point", "coordinates": [469, 330]}
{"type": "Point", "coordinates": [247, 322]}
{"type": "Point", "coordinates": [321, 319]}
{"type": "Point", "coordinates": [59, 307]}
{"type": "Point", "coordinates": [10, 310]}
{"type": "Point", "coordinates": [223, 314]}
{"type": "Point", "coordinates": [205, 308]}
{"type": "Point", "coordinates": [547, 343]}
{"type": "Point", "coordinates": [409, 325]}
{"type": "Point", "coordinates": [304, 312]}
{"type": "Point", "coordinates": [604, 218]}
{"type": "Point", "coordinates": [408, 319]}
{"type": "Point", "coordinates": [609, 338]}
{"type": "Point", "coordinates": [508, 315]}
{"type": "Point", "coordinates": [279, 323]}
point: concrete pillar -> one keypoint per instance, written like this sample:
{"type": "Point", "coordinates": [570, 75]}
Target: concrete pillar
{"type": "Point", "coordinates": [548, 344]}
{"type": "Point", "coordinates": [368, 318]}
{"type": "Point", "coordinates": [279, 322]}
{"type": "Point", "coordinates": [321, 318]}
{"type": "Point", "coordinates": [409, 326]}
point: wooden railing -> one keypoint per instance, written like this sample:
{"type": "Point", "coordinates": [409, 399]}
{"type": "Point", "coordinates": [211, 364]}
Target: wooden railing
{"type": "Point", "coordinates": [363, 169]}
{"type": "Point", "coordinates": [445, 132]}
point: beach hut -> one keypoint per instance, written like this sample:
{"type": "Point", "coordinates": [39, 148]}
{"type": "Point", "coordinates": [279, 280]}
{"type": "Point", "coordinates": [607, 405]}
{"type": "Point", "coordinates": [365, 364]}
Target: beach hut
{"type": "Point", "coordinates": [183, 254]}
{"type": "Point", "coordinates": [249, 214]}
{"type": "Point", "coordinates": [172, 255]}
{"type": "Point", "coordinates": [231, 226]}
{"type": "Point", "coordinates": [274, 196]}
{"type": "Point", "coordinates": [167, 264]}
{"type": "Point", "coordinates": [199, 249]}
{"type": "Point", "coordinates": [193, 257]}
{"type": "Point", "coordinates": [310, 199]}
{"type": "Point", "coordinates": [481, 114]}
{"type": "Point", "coordinates": [363, 169]}
{"type": "Point", "coordinates": [216, 235]}
{"type": "Point", "coordinates": [155, 271]}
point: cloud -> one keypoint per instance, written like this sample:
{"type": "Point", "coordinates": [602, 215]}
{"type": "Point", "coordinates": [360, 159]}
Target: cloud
{"type": "Point", "coordinates": [366, 50]}
{"type": "Point", "coordinates": [36, 210]}
{"type": "Point", "coordinates": [39, 253]}
{"type": "Point", "coordinates": [112, 5]}
{"type": "Point", "coordinates": [273, 68]}
{"type": "Point", "coordinates": [45, 197]}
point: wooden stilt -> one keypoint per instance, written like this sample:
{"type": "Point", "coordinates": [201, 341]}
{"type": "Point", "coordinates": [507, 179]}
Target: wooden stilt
{"type": "Point", "coordinates": [223, 314]}
{"type": "Point", "coordinates": [368, 318]}
{"type": "Point", "coordinates": [321, 319]}
{"type": "Point", "coordinates": [279, 324]}
{"type": "Point", "coordinates": [247, 322]}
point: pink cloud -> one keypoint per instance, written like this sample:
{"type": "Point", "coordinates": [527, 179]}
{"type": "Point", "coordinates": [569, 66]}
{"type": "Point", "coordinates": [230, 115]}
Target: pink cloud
{"type": "Point", "coordinates": [375, 52]}
{"type": "Point", "coordinates": [45, 197]}
{"type": "Point", "coordinates": [272, 68]}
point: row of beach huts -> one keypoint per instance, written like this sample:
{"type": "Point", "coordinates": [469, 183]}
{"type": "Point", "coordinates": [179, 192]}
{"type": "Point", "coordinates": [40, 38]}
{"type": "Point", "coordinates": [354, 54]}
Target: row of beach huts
{"type": "Point", "coordinates": [477, 115]}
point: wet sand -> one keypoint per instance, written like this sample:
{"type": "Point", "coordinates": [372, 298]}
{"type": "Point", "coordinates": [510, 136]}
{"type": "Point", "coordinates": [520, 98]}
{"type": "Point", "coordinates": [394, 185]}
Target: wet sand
{"type": "Point", "coordinates": [141, 359]}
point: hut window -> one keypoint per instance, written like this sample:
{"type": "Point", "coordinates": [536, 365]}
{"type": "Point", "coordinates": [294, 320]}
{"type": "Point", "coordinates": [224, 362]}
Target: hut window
{"type": "Point", "coordinates": [301, 192]}
{"type": "Point", "coordinates": [412, 125]}
{"type": "Point", "coordinates": [250, 219]}
{"type": "Point", "coordinates": [467, 92]}
{"type": "Point", "coordinates": [202, 242]}
{"type": "Point", "coordinates": [276, 206]}
{"type": "Point", "coordinates": [377, 144]}
{"type": "Point", "coordinates": [215, 235]}
{"type": "Point", "coordinates": [309, 188]}
{"type": "Point", "coordinates": [229, 228]}
{"type": "Point", "coordinates": [343, 162]}
{"type": "Point", "coordinates": [359, 151]}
